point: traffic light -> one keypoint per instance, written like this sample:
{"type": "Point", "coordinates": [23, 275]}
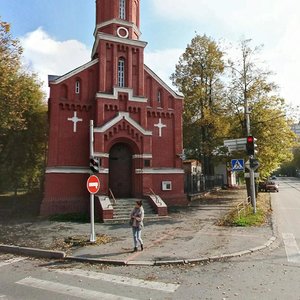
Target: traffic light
{"type": "Point", "coordinates": [250, 145]}
{"type": "Point", "coordinates": [94, 164]}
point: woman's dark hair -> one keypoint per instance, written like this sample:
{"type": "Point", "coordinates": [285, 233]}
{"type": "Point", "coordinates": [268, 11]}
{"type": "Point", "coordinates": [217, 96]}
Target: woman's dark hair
{"type": "Point", "coordinates": [139, 202]}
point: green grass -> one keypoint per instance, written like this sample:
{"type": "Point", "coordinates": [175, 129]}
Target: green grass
{"type": "Point", "coordinates": [247, 218]}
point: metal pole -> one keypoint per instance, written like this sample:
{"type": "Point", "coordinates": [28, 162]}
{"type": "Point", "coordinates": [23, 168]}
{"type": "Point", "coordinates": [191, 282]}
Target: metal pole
{"type": "Point", "coordinates": [91, 138]}
{"type": "Point", "coordinates": [92, 238]}
{"type": "Point", "coordinates": [251, 170]}
{"type": "Point", "coordinates": [252, 188]}
{"type": "Point", "coordinates": [92, 202]}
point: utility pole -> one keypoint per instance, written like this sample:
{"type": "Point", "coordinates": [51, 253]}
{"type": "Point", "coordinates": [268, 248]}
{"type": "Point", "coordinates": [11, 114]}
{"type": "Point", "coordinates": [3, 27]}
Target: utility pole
{"type": "Point", "coordinates": [92, 202]}
{"type": "Point", "coordinates": [251, 157]}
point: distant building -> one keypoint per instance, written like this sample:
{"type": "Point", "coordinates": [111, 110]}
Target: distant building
{"type": "Point", "coordinates": [137, 120]}
{"type": "Point", "coordinates": [296, 129]}
{"type": "Point", "coordinates": [192, 166]}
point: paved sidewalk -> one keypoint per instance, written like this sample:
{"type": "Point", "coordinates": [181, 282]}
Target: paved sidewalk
{"type": "Point", "coordinates": [188, 235]}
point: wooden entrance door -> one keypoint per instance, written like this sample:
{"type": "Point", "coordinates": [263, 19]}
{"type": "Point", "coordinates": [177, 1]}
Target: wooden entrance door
{"type": "Point", "coordinates": [120, 170]}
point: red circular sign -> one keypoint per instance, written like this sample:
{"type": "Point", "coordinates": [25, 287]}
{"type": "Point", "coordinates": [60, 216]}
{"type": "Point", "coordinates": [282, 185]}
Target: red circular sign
{"type": "Point", "coordinates": [93, 184]}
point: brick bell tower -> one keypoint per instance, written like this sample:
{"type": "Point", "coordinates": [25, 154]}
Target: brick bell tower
{"type": "Point", "coordinates": [121, 100]}
{"type": "Point", "coordinates": [118, 47]}
{"type": "Point", "coordinates": [137, 120]}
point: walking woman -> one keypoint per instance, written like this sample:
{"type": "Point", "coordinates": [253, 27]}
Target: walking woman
{"type": "Point", "coordinates": [136, 221]}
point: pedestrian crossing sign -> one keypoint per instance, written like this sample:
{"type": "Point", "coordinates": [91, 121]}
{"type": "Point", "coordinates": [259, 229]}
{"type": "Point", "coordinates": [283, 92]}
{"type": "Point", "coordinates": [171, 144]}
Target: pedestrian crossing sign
{"type": "Point", "coordinates": [237, 164]}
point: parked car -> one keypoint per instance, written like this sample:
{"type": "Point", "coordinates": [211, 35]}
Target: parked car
{"type": "Point", "coordinates": [268, 186]}
{"type": "Point", "coordinates": [262, 186]}
{"type": "Point", "coordinates": [272, 186]}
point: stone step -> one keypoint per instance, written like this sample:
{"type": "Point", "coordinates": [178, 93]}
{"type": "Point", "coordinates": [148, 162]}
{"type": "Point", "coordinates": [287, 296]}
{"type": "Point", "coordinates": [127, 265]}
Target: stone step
{"type": "Point", "coordinates": [152, 218]}
{"type": "Point", "coordinates": [123, 208]}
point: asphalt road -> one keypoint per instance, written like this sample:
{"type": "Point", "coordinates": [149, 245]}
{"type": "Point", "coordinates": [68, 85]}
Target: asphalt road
{"type": "Point", "coordinates": [286, 206]}
{"type": "Point", "coordinates": [271, 274]}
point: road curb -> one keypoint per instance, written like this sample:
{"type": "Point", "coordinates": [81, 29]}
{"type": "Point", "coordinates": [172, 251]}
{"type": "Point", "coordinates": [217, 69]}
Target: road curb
{"type": "Point", "coordinates": [34, 252]}
{"type": "Point", "coordinates": [39, 253]}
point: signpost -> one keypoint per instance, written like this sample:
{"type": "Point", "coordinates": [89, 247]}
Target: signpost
{"type": "Point", "coordinates": [236, 144]}
{"type": "Point", "coordinates": [247, 175]}
{"type": "Point", "coordinates": [93, 186]}
{"type": "Point", "coordinates": [237, 165]}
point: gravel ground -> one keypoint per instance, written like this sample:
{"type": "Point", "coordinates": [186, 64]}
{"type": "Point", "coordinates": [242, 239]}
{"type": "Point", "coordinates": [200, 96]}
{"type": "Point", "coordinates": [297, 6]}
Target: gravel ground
{"type": "Point", "coordinates": [44, 234]}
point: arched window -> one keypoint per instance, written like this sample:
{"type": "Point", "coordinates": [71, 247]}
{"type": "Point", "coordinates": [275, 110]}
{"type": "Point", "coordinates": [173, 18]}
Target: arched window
{"type": "Point", "coordinates": [159, 97]}
{"type": "Point", "coordinates": [77, 87]}
{"type": "Point", "coordinates": [121, 72]}
{"type": "Point", "coordinates": [122, 9]}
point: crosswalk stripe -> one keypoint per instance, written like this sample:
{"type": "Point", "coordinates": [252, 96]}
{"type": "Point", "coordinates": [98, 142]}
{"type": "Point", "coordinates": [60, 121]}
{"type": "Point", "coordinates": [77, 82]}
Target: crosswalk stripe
{"type": "Point", "coordinates": [291, 248]}
{"type": "Point", "coordinates": [68, 290]}
{"type": "Point", "coordinates": [3, 297]}
{"type": "Point", "coordinates": [154, 285]}
{"type": "Point", "coordinates": [11, 261]}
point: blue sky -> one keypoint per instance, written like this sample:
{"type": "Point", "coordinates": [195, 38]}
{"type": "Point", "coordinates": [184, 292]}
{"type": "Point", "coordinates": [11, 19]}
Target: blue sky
{"type": "Point", "coordinates": [57, 35]}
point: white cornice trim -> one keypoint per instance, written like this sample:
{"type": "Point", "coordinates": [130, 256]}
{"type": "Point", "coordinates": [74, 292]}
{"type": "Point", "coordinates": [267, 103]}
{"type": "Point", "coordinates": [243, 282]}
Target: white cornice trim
{"type": "Point", "coordinates": [144, 156]}
{"type": "Point", "coordinates": [118, 22]}
{"type": "Point", "coordinates": [159, 171]}
{"type": "Point", "coordinates": [101, 154]}
{"type": "Point", "coordinates": [74, 72]}
{"type": "Point", "coordinates": [122, 116]}
{"type": "Point", "coordinates": [118, 90]}
{"type": "Point", "coordinates": [115, 39]}
{"type": "Point", "coordinates": [161, 82]}
{"type": "Point", "coordinates": [73, 170]}
{"type": "Point", "coordinates": [67, 170]}
{"type": "Point", "coordinates": [104, 171]}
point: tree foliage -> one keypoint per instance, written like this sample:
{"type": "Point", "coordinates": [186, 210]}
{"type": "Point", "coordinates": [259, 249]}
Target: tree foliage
{"type": "Point", "coordinates": [197, 76]}
{"type": "Point", "coordinates": [222, 98]}
{"type": "Point", "coordinates": [251, 94]}
{"type": "Point", "coordinates": [22, 118]}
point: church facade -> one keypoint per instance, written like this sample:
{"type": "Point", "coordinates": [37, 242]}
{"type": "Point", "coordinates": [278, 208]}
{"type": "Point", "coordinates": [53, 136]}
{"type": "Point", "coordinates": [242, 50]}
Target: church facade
{"type": "Point", "coordinates": [137, 121]}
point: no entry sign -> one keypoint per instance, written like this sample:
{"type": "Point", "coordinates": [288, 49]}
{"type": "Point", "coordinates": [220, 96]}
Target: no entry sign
{"type": "Point", "coordinates": [93, 184]}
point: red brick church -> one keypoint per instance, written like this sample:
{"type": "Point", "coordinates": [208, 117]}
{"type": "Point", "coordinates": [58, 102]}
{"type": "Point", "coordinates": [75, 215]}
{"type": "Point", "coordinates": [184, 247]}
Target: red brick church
{"type": "Point", "coordinates": [137, 120]}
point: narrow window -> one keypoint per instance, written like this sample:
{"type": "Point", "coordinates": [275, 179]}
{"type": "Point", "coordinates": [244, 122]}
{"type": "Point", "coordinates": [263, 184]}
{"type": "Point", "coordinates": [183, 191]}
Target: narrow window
{"type": "Point", "coordinates": [121, 72]}
{"type": "Point", "coordinates": [159, 97]}
{"type": "Point", "coordinates": [77, 87]}
{"type": "Point", "coordinates": [122, 9]}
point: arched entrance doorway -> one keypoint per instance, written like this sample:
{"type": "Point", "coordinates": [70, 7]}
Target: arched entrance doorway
{"type": "Point", "coordinates": [120, 170]}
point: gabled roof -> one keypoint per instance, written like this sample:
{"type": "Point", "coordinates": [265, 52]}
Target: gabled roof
{"type": "Point", "coordinates": [162, 83]}
{"type": "Point", "coordinates": [122, 116]}
{"type": "Point", "coordinates": [54, 79]}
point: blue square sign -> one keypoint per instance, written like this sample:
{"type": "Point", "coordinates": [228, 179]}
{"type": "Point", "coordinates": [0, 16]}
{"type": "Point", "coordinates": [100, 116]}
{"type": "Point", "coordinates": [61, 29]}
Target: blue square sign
{"type": "Point", "coordinates": [237, 165]}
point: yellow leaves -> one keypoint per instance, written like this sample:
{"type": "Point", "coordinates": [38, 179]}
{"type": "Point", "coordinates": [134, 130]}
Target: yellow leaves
{"type": "Point", "coordinates": [5, 26]}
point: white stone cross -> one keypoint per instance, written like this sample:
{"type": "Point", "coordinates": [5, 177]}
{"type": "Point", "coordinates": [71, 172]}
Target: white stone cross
{"type": "Point", "coordinates": [160, 126]}
{"type": "Point", "coordinates": [75, 120]}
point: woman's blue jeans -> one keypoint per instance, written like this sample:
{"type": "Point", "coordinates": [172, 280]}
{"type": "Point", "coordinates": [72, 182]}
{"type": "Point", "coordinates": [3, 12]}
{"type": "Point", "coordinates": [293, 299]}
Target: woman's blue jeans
{"type": "Point", "coordinates": [137, 236]}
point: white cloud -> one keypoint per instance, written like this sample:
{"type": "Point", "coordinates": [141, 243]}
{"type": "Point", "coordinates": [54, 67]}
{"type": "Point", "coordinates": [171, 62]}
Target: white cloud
{"type": "Point", "coordinates": [47, 56]}
{"type": "Point", "coordinates": [162, 62]}
{"type": "Point", "coordinates": [271, 22]}
{"type": "Point", "coordinates": [234, 14]}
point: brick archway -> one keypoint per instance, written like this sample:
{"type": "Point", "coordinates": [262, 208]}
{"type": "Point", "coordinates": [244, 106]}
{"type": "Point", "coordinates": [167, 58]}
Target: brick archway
{"type": "Point", "coordinates": [120, 170]}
